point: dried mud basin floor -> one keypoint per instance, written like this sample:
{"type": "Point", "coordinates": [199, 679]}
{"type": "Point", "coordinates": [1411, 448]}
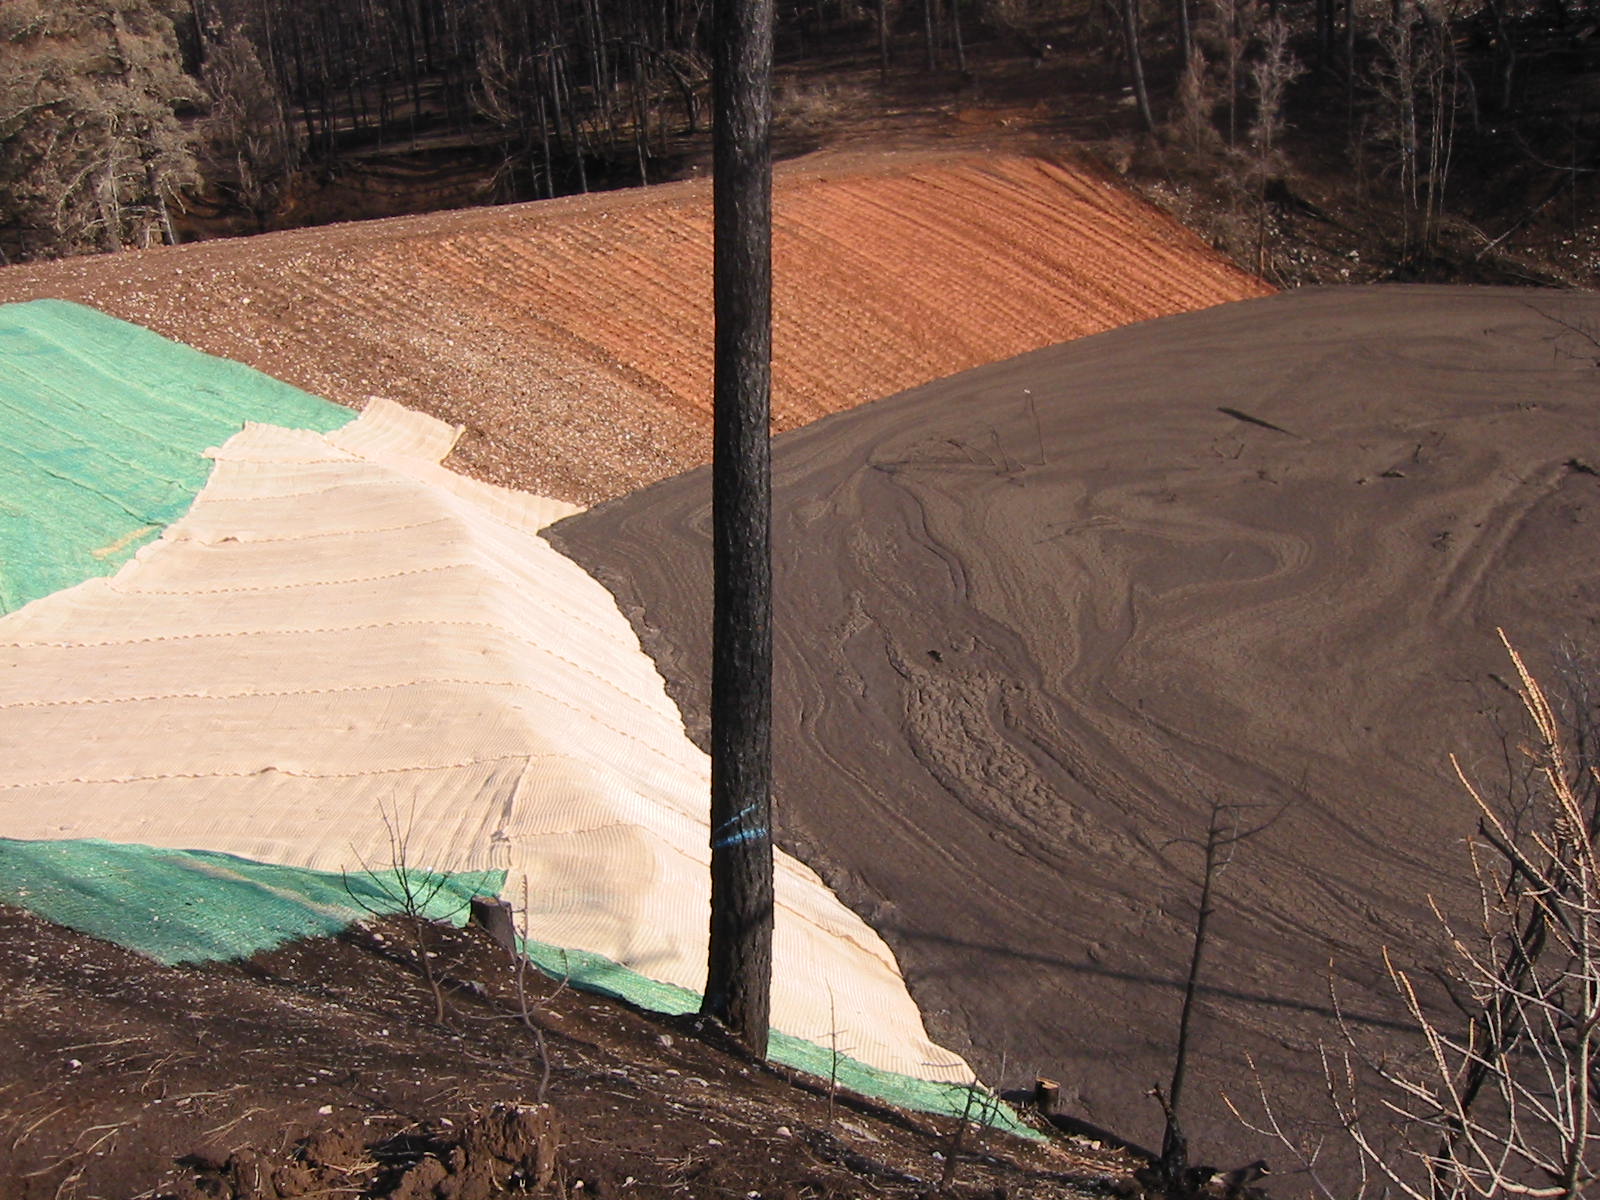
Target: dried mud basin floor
{"type": "Point", "coordinates": [317, 1070]}
{"type": "Point", "coordinates": [1033, 619]}
{"type": "Point", "coordinates": [572, 337]}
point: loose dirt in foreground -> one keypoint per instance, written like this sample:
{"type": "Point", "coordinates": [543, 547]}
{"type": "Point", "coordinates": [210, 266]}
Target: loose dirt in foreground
{"type": "Point", "coordinates": [572, 337]}
{"type": "Point", "coordinates": [1032, 620]}
{"type": "Point", "coordinates": [316, 1070]}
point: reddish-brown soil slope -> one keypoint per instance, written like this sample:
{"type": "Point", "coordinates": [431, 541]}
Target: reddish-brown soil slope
{"type": "Point", "coordinates": [572, 337]}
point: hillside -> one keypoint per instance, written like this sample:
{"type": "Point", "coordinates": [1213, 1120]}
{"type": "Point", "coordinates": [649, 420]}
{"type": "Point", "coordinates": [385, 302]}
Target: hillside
{"type": "Point", "coordinates": [1033, 620]}
{"type": "Point", "coordinates": [581, 373]}
{"type": "Point", "coordinates": [572, 337]}
{"type": "Point", "coordinates": [317, 1070]}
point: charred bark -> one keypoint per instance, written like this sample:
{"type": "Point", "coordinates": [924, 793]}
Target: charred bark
{"type": "Point", "coordinates": [739, 978]}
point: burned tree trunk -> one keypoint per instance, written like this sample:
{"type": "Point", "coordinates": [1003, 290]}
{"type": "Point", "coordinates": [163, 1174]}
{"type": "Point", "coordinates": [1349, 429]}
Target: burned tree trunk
{"type": "Point", "coordinates": [1130, 36]}
{"type": "Point", "coordinates": [739, 976]}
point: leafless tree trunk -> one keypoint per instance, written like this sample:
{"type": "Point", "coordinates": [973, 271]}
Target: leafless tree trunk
{"type": "Point", "coordinates": [1504, 1104]}
{"type": "Point", "coordinates": [1418, 82]}
{"type": "Point", "coordinates": [1130, 37]}
{"type": "Point", "coordinates": [1192, 122]}
{"type": "Point", "coordinates": [1230, 28]}
{"type": "Point", "coordinates": [738, 984]}
{"type": "Point", "coordinates": [1272, 72]}
{"type": "Point", "coordinates": [882, 9]}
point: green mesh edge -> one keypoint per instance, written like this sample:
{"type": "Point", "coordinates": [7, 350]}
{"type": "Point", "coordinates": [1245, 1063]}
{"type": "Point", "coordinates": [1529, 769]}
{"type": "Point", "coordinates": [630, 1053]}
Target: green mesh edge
{"type": "Point", "coordinates": [595, 973]}
{"type": "Point", "coordinates": [187, 906]}
{"type": "Point", "coordinates": [103, 426]}
{"type": "Point", "coordinates": [179, 906]}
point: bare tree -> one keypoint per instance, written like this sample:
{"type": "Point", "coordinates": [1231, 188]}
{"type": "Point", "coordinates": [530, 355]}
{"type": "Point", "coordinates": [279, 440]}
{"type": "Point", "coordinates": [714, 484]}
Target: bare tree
{"type": "Point", "coordinates": [92, 150]}
{"type": "Point", "coordinates": [1420, 86]}
{"type": "Point", "coordinates": [1191, 124]}
{"type": "Point", "coordinates": [399, 885]}
{"type": "Point", "coordinates": [1502, 1102]}
{"type": "Point", "coordinates": [514, 94]}
{"type": "Point", "coordinates": [739, 978]}
{"type": "Point", "coordinates": [1228, 30]}
{"type": "Point", "coordinates": [1132, 19]}
{"type": "Point", "coordinates": [250, 146]}
{"type": "Point", "coordinates": [1272, 72]}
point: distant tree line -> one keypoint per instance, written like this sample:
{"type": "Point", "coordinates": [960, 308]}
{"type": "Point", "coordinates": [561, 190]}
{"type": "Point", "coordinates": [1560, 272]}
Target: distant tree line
{"type": "Point", "coordinates": [1506, 90]}
{"type": "Point", "coordinates": [559, 84]}
{"type": "Point", "coordinates": [112, 111]}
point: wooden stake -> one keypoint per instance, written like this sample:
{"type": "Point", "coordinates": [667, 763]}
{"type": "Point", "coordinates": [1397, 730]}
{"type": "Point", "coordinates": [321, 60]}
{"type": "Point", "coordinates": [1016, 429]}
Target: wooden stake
{"type": "Point", "coordinates": [1046, 1094]}
{"type": "Point", "coordinates": [493, 916]}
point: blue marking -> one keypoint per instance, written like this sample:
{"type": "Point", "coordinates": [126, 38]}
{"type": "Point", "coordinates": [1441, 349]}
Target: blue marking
{"type": "Point", "coordinates": [744, 835]}
{"type": "Point", "coordinates": [736, 818]}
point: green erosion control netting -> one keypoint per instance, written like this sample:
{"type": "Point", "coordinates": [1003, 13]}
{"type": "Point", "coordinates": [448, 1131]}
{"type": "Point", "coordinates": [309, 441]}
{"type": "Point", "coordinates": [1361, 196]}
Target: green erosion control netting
{"type": "Point", "coordinates": [596, 974]}
{"type": "Point", "coordinates": [102, 430]}
{"type": "Point", "coordinates": [199, 906]}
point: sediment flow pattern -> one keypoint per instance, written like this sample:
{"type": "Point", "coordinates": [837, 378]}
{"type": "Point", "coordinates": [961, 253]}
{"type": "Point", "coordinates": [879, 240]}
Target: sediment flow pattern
{"type": "Point", "coordinates": [1032, 620]}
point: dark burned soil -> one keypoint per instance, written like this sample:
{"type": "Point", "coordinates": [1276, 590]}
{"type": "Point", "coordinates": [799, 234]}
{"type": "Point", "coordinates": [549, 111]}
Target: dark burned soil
{"type": "Point", "coordinates": [1031, 621]}
{"type": "Point", "coordinates": [317, 1069]}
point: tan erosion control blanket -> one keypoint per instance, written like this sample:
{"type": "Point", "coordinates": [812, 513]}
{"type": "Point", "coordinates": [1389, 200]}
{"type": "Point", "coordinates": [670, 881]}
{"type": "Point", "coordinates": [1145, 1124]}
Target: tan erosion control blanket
{"type": "Point", "coordinates": [341, 628]}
